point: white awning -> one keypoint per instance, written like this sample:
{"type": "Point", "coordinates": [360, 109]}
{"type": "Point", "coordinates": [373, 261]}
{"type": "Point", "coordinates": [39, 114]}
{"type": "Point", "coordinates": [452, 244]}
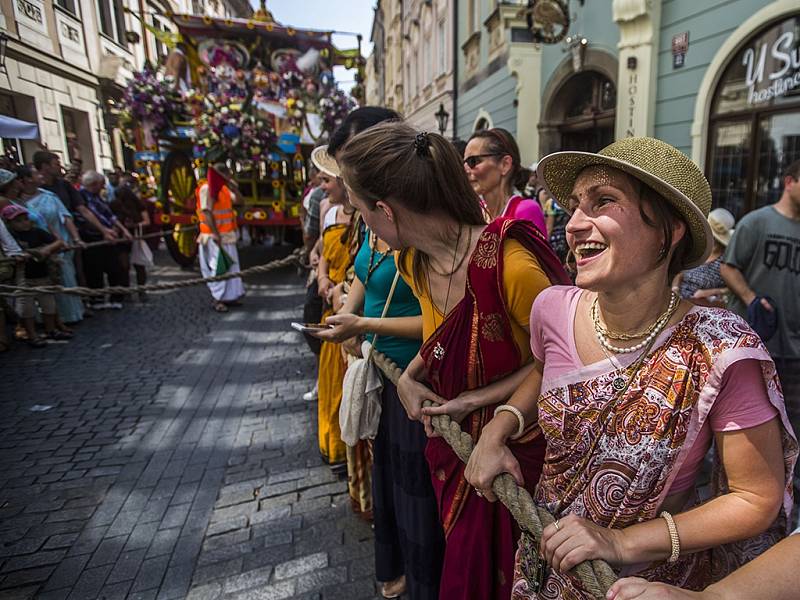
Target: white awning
{"type": "Point", "coordinates": [14, 128]}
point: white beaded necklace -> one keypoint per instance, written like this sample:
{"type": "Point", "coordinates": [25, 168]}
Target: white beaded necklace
{"type": "Point", "coordinates": [660, 324]}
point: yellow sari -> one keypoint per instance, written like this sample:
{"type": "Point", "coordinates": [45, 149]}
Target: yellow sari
{"type": "Point", "coordinates": [331, 362]}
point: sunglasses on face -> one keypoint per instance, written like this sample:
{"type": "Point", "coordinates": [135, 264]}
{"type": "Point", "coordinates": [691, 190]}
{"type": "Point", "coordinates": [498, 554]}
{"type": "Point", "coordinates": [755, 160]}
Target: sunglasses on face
{"type": "Point", "coordinates": [474, 161]}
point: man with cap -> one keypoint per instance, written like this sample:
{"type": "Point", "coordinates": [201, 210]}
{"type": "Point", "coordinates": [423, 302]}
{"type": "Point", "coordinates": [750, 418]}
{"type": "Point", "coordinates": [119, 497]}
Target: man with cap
{"type": "Point", "coordinates": [218, 235]}
{"type": "Point", "coordinates": [762, 268]}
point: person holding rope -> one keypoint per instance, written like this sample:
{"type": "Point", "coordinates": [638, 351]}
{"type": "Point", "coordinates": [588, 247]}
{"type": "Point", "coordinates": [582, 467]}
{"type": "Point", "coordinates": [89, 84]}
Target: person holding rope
{"type": "Point", "coordinates": [632, 385]}
{"type": "Point", "coordinates": [475, 284]}
{"type": "Point", "coordinates": [218, 234]}
{"type": "Point", "coordinates": [334, 262]}
{"type": "Point", "coordinates": [61, 225]}
{"type": "Point", "coordinates": [409, 544]}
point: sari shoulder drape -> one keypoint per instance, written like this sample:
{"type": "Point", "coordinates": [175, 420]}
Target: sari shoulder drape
{"type": "Point", "coordinates": [635, 454]}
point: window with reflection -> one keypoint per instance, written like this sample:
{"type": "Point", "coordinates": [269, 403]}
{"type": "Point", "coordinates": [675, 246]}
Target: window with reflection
{"type": "Point", "coordinates": [755, 120]}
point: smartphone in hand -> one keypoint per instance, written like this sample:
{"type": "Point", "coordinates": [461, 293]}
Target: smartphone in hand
{"type": "Point", "coordinates": [310, 327]}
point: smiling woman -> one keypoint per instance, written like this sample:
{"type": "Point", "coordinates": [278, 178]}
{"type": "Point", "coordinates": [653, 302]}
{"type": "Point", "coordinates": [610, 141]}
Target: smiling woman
{"type": "Point", "coordinates": [631, 386]}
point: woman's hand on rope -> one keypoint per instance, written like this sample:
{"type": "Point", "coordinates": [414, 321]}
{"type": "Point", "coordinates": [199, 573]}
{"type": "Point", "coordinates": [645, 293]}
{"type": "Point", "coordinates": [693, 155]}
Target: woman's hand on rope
{"type": "Point", "coordinates": [572, 540]}
{"type": "Point", "coordinates": [412, 394]}
{"type": "Point", "coordinates": [490, 458]}
{"type": "Point", "coordinates": [636, 588]}
{"type": "Point", "coordinates": [457, 408]}
{"type": "Point", "coordinates": [345, 326]}
{"type": "Point", "coordinates": [109, 235]}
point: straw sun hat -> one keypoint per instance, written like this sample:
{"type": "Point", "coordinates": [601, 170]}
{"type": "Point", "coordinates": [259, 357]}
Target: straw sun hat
{"type": "Point", "coordinates": [657, 164]}
{"type": "Point", "coordinates": [722, 222]}
{"type": "Point", "coordinates": [325, 162]}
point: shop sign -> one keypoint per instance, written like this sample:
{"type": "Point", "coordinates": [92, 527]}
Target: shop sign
{"type": "Point", "coordinates": [680, 46]}
{"type": "Point", "coordinates": [784, 76]}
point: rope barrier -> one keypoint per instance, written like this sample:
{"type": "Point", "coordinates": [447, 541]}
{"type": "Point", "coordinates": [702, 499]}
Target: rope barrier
{"type": "Point", "coordinates": [295, 258]}
{"type": "Point", "coordinates": [596, 575]}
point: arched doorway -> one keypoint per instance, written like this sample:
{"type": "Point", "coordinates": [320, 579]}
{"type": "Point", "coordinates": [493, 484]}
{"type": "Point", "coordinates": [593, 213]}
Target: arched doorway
{"type": "Point", "coordinates": [579, 108]}
{"type": "Point", "coordinates": [754, 120]}
{"type": "Point", "coordinates": [589, 101]}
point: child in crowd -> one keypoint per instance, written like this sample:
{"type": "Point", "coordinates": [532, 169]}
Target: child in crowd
{"type": "Point", "coordinates": [41, 244]}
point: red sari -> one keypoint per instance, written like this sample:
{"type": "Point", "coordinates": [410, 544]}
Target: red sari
{"type": "Point", "coordinates": [473, 347]}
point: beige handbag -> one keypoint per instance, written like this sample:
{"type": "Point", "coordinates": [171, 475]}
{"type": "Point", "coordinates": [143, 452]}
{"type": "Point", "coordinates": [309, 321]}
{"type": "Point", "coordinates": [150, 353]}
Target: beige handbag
{"type": "Point", "coordinates": [360, 409]}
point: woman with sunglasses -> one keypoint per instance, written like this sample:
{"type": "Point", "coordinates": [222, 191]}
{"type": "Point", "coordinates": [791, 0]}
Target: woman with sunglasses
{"type": "Point", "coordinates": [494, 169]}
{"type": "Point", "coordinates": [474, 283]}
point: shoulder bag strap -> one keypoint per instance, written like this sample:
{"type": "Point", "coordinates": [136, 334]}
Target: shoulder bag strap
{"type": "Point", "coordinates": [385, 310]}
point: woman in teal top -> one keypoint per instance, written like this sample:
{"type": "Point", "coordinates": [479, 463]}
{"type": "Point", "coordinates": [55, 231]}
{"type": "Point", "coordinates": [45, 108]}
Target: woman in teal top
{"type": "Point", "coordinates": [409, 540]}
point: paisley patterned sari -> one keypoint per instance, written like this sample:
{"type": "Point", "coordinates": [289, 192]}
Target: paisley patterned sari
{"type": "Point", "coordinates": [636, 451]}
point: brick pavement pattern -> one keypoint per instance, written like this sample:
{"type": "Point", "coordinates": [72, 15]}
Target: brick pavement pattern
{"type": "Point", "coordinates": [178, 458]}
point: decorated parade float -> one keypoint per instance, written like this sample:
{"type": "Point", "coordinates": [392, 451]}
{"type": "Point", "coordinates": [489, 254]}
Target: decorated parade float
{"type": "Point", "coordinates": [252, 93]}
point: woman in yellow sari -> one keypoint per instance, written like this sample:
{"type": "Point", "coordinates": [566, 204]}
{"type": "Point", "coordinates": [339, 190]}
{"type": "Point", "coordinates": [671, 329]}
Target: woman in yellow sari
{"type": "Point", "coordinates": [332, 270]}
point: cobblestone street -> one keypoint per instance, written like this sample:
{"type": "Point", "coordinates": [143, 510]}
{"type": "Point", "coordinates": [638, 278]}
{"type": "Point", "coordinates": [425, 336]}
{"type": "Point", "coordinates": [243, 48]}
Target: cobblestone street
{"type": "Point", "coordinates": [174, 458]}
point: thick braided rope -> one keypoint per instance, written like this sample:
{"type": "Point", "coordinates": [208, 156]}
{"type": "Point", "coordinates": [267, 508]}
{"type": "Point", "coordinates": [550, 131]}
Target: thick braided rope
{"type": "Point", "coordinates": [596, 575]}
{"type": "Point", "coordinates": [295, 258]}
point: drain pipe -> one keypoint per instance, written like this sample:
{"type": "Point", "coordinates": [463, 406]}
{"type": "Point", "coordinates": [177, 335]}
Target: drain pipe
{"type": "Point", "coordinates": [455, 69]}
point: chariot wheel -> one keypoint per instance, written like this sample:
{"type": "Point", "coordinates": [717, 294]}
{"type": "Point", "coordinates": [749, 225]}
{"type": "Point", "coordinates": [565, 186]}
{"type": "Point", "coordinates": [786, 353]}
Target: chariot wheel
{"type": "Point", "coordinates": [178, 183]}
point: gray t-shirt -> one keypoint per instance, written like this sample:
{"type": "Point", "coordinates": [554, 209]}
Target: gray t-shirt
{"type": "Point", "coordinates": [766, 248]}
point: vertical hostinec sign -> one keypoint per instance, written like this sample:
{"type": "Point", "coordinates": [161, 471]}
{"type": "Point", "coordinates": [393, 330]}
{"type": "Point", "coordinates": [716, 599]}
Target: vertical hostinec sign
{"type": "Point", "coordinates": [772, 66]}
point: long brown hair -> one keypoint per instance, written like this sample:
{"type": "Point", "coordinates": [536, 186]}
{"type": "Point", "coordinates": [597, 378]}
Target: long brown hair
{"type": "Point", "coordinates": [420, 171]}
{"type": "Point", "coordinates": [500, 142]}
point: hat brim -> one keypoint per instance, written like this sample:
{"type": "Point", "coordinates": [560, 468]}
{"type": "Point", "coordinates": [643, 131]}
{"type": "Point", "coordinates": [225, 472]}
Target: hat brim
{"type": "Point", "coordinates": [722, 239]}
{"type": "Point", "coordinates": [325, 162]}
{"type": "Point", "coordinates": [560, 170]}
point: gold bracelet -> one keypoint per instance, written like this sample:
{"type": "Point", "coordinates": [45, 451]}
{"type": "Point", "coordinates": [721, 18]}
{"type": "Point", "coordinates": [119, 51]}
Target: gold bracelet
{"type": "Point", "coordinates": [673, 537]}
{"type": "Point", "coordinates": [515, 411]}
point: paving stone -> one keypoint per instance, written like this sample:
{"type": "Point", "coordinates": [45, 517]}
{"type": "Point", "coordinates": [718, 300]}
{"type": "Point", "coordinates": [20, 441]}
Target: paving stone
{"type": "Point", "coordinates": [209, 591]}
{"type": "Point", "coordinates": [181, 453]}
{"type": "Point", "coordinates": [227, 526]}
{"type": "Point", "coordinates": [250, 579]}
{"type": "Point", "coordinates": [321, 578]}
{"type": "Point", "coordinates": [277, 591]}
{"type": "Point", "coordinates": [301, 565]}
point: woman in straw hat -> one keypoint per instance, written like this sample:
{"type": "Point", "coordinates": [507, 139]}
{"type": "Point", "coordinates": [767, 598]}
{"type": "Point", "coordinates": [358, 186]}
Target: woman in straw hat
{"type": "Point", "coordinates": [703, 284]}
{"type": "Point", "coordinates": [331, 270]}
{"type": "Point", "coordinates": [475, 284]}
{"type": "Point", "coordinates": [631, 386]}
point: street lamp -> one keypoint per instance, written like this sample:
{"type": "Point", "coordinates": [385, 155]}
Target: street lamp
{"type": "Point", "coordinates": [441, 118]}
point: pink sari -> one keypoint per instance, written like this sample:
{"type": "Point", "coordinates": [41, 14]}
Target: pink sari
{"type": "Point", "coordinates": [637, 451]}
{"type": "Point", "coordinates": [473, 347]}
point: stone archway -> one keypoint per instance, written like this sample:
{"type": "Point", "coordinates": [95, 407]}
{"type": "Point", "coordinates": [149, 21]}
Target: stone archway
{"type": "Point", "coordinates": [555, 99]}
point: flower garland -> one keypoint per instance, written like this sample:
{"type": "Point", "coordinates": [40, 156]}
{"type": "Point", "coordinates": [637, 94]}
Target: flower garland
{"type": "Point", "coordinates": [333, 108]}
{"type": "Point", "coordinates": [225, 130]}
{"type": "Point", "coordinates": [149, 102]}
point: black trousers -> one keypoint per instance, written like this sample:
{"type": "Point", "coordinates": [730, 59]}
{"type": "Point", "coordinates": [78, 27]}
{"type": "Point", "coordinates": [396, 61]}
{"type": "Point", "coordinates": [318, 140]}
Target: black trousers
{"type": "Point", "coordinates": [104, 261]}
{"type": "Point", "coordinates": [409, 538]}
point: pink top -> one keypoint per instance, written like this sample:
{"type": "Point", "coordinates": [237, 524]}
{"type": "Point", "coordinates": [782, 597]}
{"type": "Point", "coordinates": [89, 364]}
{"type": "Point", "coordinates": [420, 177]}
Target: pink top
{"type": "Point", "coordinates": [554, 345]}
{"type": "Point", "coordinates": [529, 210]}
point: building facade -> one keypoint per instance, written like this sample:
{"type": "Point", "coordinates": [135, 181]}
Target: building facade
{"type": "Point", "coordinates": [67, 63]}
{"type": "Point", "coordinates": [718, 79]}
{"type": "Point", "coordinates": [411, 66]}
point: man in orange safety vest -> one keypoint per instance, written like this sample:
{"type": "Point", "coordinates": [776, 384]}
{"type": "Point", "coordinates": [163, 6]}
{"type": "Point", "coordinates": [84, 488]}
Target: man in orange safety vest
{"type": "Point", "coordinates": [218, 231]}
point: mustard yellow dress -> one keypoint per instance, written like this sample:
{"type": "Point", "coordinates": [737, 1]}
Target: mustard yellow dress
{"type": "Point", "coordinates": [332, 364]}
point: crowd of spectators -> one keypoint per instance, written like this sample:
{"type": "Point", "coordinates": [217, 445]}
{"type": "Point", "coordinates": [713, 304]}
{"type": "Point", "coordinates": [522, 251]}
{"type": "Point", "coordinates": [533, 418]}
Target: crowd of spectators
{"type": "Point", "coordinates": [69, 227]}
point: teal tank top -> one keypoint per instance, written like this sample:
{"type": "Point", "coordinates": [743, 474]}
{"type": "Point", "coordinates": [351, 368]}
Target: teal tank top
{"type": "Point", "coordinates": [377, 284]}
